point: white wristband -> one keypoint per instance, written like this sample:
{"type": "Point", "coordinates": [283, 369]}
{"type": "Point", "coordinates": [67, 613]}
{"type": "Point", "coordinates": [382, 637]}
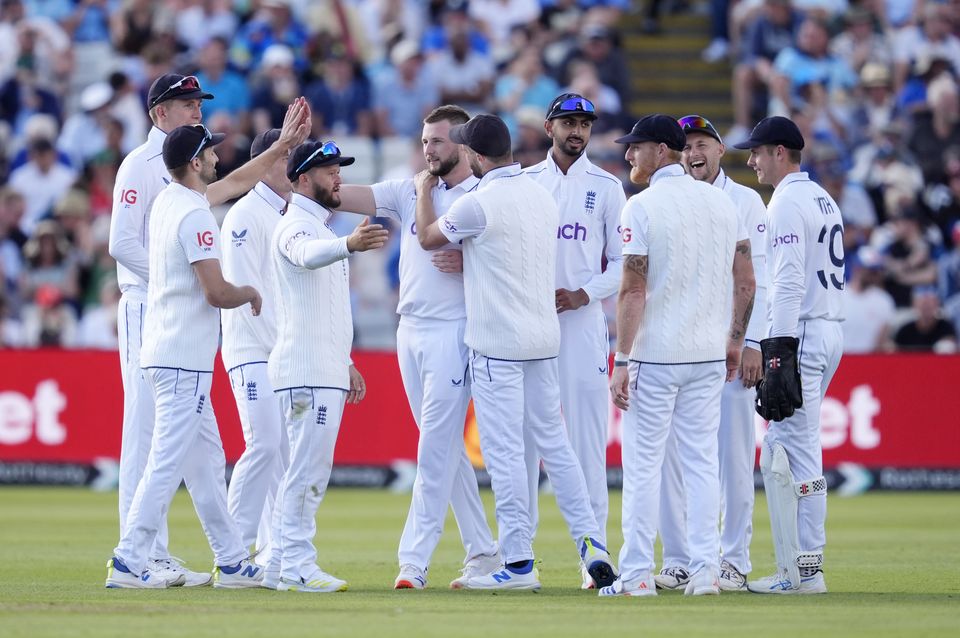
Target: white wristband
{"type": "Point", "coordinates": [621, 357]}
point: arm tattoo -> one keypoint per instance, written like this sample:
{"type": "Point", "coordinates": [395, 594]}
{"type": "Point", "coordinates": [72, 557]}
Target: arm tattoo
{"type": "Point", "coordinates": [743, 248]}
{"type": "Point", "coordinates": [637, 264]}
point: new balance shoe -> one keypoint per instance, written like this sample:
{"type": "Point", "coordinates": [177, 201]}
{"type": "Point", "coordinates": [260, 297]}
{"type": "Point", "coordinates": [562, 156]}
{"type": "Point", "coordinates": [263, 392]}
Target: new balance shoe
{"type": "Point", "coordinates": [477, 566]}
{"type": "Point", "coordinates": [597, 560]}
{"type": "Point", "coordinates": [506, 578]}
{"type": "Point", "coordinates": [640, 587]}
{"type": "Point", "coordinates": [119, 576]}
{"type": "Point", "coordinates": [240, 576]}
{"type": "Point", "coordinates": [319, 582]}
{"type": "Point", "coordinates": [410, 577]}
{"type": "Point", "coordinates": [672, 578]}
{"type": "Point", "coordinates": [780, 584]}
{"type": "Point", "coordinates": [704, 583]}
{"type": "Point", "coordinates": [173, 566]}
{"type": "Point", "coordinates": [731, 578]}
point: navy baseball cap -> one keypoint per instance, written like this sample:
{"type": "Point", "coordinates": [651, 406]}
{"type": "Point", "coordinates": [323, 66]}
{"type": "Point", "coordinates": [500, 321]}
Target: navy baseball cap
{"type": "Point", "coordinates": [174, 86]}
{"type": "Point", "coordinates": [571, 104]}
{"type": "Point", "coordinates": [698, 124]}
{"type": "Point", "coordinates": [312, 154]}
{"type": "Point", "coordinates": [263, 141]}
{"type": "Point", "coordinates": [486, 134]}
{"type": "Point", "coordinates": [656, 128]}
{"type": "Point", "coordinates": [774, 130]}
{"type": "Point", "coordinates": [187, 142]}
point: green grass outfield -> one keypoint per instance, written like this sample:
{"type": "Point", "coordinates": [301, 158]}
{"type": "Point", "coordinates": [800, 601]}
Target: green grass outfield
{"type": "Point", "coordinates": [892, 570]}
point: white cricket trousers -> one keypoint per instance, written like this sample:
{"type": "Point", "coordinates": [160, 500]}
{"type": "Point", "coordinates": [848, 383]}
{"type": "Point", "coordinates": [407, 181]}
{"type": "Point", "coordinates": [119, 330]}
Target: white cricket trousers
{"type": "Point", "coordinates": [737, 455]}
{"type": "Point", "coordinates": [253, 485]}
{"type": "Point", "coordinates": [684, 398]}
{"type": "Point", "coordinates": [511, 397]}
{"type": "Point", "coordinates": [433, 365]}
{"type": "Point", "coordinates": [312, 418]}
{"type": "Point", "coordinates": [585, 407]}
{"type": "Point", "coordinates": [821, 346]}
{"type": "Point", "coordinates": [185, 434]}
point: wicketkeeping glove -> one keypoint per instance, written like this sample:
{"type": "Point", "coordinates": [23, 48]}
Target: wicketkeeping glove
{"type": "Point", "coordinates": [779, 393]}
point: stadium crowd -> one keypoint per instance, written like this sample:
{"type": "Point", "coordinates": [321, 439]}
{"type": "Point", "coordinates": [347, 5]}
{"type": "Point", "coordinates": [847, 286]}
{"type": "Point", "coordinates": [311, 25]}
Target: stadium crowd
{"type": "Point", "coordinates": [873, 85]}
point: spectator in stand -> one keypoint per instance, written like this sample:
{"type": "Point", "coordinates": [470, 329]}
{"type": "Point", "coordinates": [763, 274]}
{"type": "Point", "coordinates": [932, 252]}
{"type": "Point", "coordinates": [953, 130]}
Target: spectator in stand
{"type": "Point", "coordinates": [598, 45]}
{"type": "Point", "coordinates": [875, 106]}
{"type": "Point", "coordinates": [277, 87]}
{"type": "Point", "coordinates": [909, 258]}
{"type": "Point", "coordinates": [498, 17]}
{"type": "Point", "coordinates": [23, 96]}
{"type": "Point", "coordinates": [234, 151]}
{"type": "Point", "coordinates": [202, 21]}
{"type": "Point", "coordinates": [41, 181]}
{"type": "Point", "coordinates": [128, 109]}
{"type": "Point", "coordinates": [530, 144]}
{"type": "Point", "coordinates": [387, 21]}
{"type": "Point", "coordinates": [11, 15]}
{"type": "Point", "coordinates": [464, 76]}
{"type": "Point", "coordinates": [341, 21]}
{"type": "Point", "coordinates": [88, 25]}
{"type": "Point", "coordinates": [885, 163]}
{"type": "Point", "coordinates": [48, 264]}
{"type": "Point", "coordinates": [11, 330]}
{"type": "Point", "coordinates": [931, 38]}
{"type": "Point", "coordinates": [524, 84]}
{"type": "Point", "coordinates": [856, 207]}
{"type": "Point", "coordinates": [12, 240]}
{"type": "Point", "coordinates": [936, 128]}
{"type": "Point", "coordinates": [137, 23]}
{"type": "Point", "coordinates": [49, 322]}
{"type": "Point", "coordinates": [231, 94]}
{"type": "Point", "coordinates": [341, 99]}
{"type": "Point", "coordinates": [99, 179]}
{"type": "Point", "coordinates": [869, 310]}
{"type": "Point", "coordinates": [719, 46]}
{"type": "Point", "coordinates": [942, 201]}
{"type": "Point", "coordinates": [405, 93]}
{"type": "Point", "coordinates": [98, 327]}
{"type": "Point", "coordinates": [929, 331]}
{"type": "Point", "coordinates": [860, 43]}
{"type": "Point", "coordinates": [948, 279]}
{"type": "Point", "coordinates": [773, 31]}
{"type": "Point", "coordinates": [84, 133]}
{"type": "Point", "coordinates": [273, 24]}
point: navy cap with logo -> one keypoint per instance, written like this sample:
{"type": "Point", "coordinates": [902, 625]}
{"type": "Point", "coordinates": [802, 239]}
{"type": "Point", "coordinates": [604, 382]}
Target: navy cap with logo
{"type": "Point", "coordinates": [486, 134]}
{"type": "Point", "coordinates": [312, 154]}
{"type": "Point", "coordinates": [174, 86]}
{"type": "Point", "coordinates": [263, 141]}
{"type": "Point", "coordinates": [661, 129]}
{"type": "Point", "coordinates": [698, 124]}
{"type": "Point", "coordinates": [775, 130]}
{"type": "Point", "coordinates": [571, 104]}
{"type": "Point", "coordinates": [185, 143]}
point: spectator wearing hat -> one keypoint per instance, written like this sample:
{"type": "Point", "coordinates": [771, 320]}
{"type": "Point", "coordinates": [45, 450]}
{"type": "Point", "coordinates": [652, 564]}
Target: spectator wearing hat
{"type": "Point", "coordinates": [860, 43]}
{"type": "Point", "coordinates": [47, 263]}
{"type": "Point", "coordinates": [875, 104]}
{"type": "Point", "coordinates": [84, 134]}
{"type": "Point", "coordinates": [405, 93]}
{"type": "Point", "coordinates": [278, 85]}
{"type": "Point", "coordinates": [931, 38]}
{"type": "Point", "coordinates": [274, 23]}
{"type": "Point", "coordinates": [41, 181]}
{"type": "Point", "coordinates": [869, 309]}
{"type": "Point", "coordinates": [929, 331]}
{"type": "Point", "coordinates": [49, 322]}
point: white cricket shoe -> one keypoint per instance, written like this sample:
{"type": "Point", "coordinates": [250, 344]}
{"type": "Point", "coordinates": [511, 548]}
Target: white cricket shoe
{"type": "Point", "coordinates": [704, 583]}
{"type": "Point", "coordinates": [410, 577]}
{"type": "Point", "coordinates": [319, 582]}
{"type": "Point", "coordinates": [672, 578]}
{"type": "Point", "coordinates": [640, 587]}
{"type": "Point", "coordinates": [244, 574]}
{"type": "Point", "coordinates": [270, 579]}
{"type": "Point", "coordinates": [731, 578]}
{"type": "Point", "coordinates": [477, 566]}
{"type": "Point", "coordinates": [504, 578]}
{"type": "Point", "coordinates": [119, 576]}
{"type": "Point", "coordinates": [597, 560]}
{"type": "Point", "coordinates": [173, 566]}
{"type": "Point", "coordinates": [780, 584]}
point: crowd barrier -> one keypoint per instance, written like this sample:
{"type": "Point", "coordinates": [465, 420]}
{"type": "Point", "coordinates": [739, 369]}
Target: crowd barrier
{"type": "Point", "coordinates": [888, 422]}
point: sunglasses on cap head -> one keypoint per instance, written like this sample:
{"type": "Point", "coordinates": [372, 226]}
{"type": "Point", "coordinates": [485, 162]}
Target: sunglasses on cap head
{"type": "Point", "coordinates": [329, 149]}
{"type": "Point", "coordinates": [186, 83]}
{"type": "Point", "coordinates": [696, 123]}
{"type": "Point", "coordinates": [573, 105]}
{"type": "Point", "coordinates": [207, 137]}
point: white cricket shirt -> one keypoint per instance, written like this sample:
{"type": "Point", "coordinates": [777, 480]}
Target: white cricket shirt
{"type": "Point", "coordinates": [141, 177]}
{"type": "Point", "coordinates": [590, 201]}
{"type": "Point", "coordinates": [425, 292]}
{"type": "Point", "coordinates": [247, 230]}
{"type": "Point", "coordinates": [181, 329]}
{"type": "Point", "coordinates": [806, 260]}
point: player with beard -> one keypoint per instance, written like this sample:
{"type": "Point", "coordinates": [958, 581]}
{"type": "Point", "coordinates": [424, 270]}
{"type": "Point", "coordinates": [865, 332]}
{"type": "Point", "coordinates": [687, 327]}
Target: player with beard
{"type": "Point", "coordinates": [590, 200]}
{"type": "Point", "coordinates": [433, 357]}
{"type": "Point", "coordinates": [310, 367]}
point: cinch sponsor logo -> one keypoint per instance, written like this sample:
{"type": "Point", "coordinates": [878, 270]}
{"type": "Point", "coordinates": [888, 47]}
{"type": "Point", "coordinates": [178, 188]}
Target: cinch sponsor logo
{"type": "Point", "coordinates": [295, 237]}
{"type": "Point", "coordinates": [792, 238]}
{"type": "Point", "coordinates": [761, 228]}
{"type": "Point", "coordinates": [572, 231]}
{"type": "Point", "coordinates": [21, 417]}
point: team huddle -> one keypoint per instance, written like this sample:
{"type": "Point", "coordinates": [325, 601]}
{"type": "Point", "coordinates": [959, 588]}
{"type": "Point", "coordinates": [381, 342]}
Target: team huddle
{"type": "Point", "coordinates": [725, 308]}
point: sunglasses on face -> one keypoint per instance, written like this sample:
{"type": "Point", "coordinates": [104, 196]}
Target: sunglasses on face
{"type": "Point", "coordinates": [186, 83]}
{"type": "Point", "coordinates": [207, 136]}
{"type": "Point", "coordinates": [695, 123]}
{"type": "Point", "coordinates": [329, 149]}
{"type": "Point", "coordinates": [574, 104]}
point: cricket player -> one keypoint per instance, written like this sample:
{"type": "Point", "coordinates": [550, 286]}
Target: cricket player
{"type": "Point", "coordinates": [173, 101]}
{"type": "Point", "coordinates": [800, 354]}
{"type": "Point", "coordinates": [310, 367]}
{"type": "Point", "coordinates": [181, 335]}
{"type": "Point", "coordinates": [590, 200]}
{"type": "Point", "coordinates": [247, 341]}
{"type": "Point", "coordinates": [507, 225]}
{"type": "Point", "coordinates": [736, 441]}
{"type": "Point", "coordinates": [686, 262]}
{"type": "Point", "coordinates": [433, 359]}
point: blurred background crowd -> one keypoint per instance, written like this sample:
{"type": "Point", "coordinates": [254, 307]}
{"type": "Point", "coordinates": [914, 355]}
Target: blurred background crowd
{"type": "Point", "coordinates": [873, 84]}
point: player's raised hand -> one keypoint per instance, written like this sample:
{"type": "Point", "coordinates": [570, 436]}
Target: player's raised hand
{"type": "Point", "coordinates": [751, 367]}
{"type": "Point", "coordinates": [620, 387]}
{"type": "Point", "coordinates": [424, 181]}
{"type": "Point", "coordinates": [367, 236]}
{"type": "Point", "coordinates": [256, 301]}
{"type": "Point", "coordinates": [358, 387]}
{"type": "Point", "coordinates": [448, 260]}
{"type": "Point", "coordinates": [296, 124]}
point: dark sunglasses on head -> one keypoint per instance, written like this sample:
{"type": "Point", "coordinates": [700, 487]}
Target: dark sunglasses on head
{"type": "Point", "coordinates": [186, 83]}
{"type": "Point", "coordinates": [573, 105]}
{"type": "Point", "coordinates": [207, 136]}
{"type": "Point", "coordinates": [329, 149]}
